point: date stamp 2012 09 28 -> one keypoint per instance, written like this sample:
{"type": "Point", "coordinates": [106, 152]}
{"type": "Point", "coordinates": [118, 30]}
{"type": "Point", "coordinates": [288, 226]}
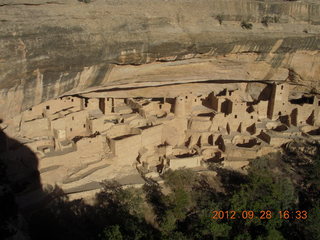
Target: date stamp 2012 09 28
{"type": "Point", "coordinates": [263, 214]}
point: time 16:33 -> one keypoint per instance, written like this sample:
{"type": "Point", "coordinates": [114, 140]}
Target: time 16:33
{"type": "Point", "coordinates": [263, 214]}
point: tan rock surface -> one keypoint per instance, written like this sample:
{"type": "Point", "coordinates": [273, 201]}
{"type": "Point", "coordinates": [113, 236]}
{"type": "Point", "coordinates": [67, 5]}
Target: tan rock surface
{"type": "Point", "coordinates": [50, 48]}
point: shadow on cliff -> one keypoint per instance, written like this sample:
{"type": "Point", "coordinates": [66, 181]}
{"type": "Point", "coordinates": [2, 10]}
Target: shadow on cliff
{"type": "Point", "coordinates": [20, 186]}
{"type": "Point", "coordinates": [30, 212]}
{"type": "Point", "coordinates": [21, 169]}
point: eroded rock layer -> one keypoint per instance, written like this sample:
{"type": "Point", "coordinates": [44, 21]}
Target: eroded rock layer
{"type": "Point", "coordinates": [51, 48]}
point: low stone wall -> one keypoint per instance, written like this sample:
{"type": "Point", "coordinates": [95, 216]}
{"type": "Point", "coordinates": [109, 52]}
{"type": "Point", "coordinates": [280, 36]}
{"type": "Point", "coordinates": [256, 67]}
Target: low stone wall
{"type": "Point", "coordinates": [188, 162]}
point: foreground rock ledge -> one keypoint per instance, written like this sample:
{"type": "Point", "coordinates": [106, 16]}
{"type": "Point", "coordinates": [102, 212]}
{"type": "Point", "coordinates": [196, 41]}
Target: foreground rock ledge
{"type": "Point", "coordinates": [52, 48]}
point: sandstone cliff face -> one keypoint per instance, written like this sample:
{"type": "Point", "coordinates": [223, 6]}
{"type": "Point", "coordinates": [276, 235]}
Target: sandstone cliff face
{"type": "Point", "coordinates": [51, 48]}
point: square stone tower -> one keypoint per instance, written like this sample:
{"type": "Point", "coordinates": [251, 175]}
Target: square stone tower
{"type": "Point", "coordinates": [278, 103]}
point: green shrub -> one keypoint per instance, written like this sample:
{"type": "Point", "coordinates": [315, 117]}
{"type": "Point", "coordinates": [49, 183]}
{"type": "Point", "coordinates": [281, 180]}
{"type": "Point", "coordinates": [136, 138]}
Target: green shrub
{"type": "Point", "coordinates": [220, 18]}
{"type": "Point", "coordinates": [246, 25]}
{"type": "Point", "coordinates": [276, 19]}
{"type": "Point", "coordinates": [266, 20]}
{"type": "Point", "coordinates": [112, 233]}
{"type": "Point", "coordinates": [85, 1]}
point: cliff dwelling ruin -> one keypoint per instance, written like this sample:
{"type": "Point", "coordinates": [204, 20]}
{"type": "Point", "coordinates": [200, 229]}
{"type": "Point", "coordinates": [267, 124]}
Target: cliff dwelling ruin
{"type": "Point", "coordinates": [83, 139]}
{"type": "Point", "coordinates": [159, 119]}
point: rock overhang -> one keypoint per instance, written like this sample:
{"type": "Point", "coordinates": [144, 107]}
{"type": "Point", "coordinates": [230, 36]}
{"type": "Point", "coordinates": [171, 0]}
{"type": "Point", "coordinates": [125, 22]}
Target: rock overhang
{"type": "Point", "coordinates": [50, 49]}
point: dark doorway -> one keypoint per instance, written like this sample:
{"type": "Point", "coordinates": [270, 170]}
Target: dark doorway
{"type": "Point", "coordinates": [211, 139]}
{"type": "Point", "coordinates": [294, 117]}
{"type": "Point", "coordinates": [102, 105]}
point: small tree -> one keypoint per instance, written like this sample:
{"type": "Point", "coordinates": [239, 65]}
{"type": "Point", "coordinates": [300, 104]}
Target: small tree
{"type": "Point", "coordinates": [276, 19]}
{"type": "Point", "coordinates": [266, 20]}
{"type": "Point", "coordinates": [246, 25]}
{"type": "Point", "coordinates": [220, 18]}
{"type": "Point", "coordinates": [112, 233]}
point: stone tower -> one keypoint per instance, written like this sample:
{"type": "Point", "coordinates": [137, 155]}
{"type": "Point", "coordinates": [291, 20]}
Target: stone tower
{"type": "Point", "coordinates": [278, 103]}
{"type": "Point", "coordinates": [180, 107]}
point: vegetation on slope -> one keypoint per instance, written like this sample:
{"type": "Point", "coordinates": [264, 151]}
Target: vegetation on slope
{"type": "Point", "coordinates": [183, 208]}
